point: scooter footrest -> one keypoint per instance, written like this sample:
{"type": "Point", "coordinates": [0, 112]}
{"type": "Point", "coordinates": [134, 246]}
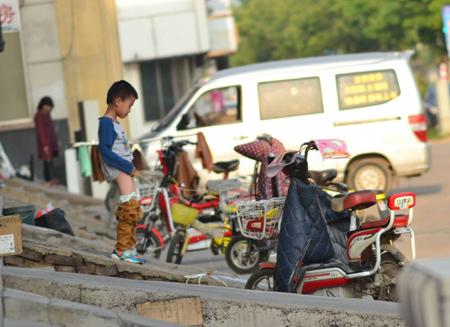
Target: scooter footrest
{"type": "Point", "coordinates": [329, 264]}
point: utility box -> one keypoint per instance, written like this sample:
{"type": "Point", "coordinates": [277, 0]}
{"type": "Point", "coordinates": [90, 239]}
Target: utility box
{"type": "Point", "coordinates": [424, 291]}
{"type": "Point", "coordinates": [10, 235]}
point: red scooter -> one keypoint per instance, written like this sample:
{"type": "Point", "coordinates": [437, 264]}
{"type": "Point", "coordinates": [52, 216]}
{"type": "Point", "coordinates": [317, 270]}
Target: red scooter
{"type": "Point", "coordinates": [372, 262]}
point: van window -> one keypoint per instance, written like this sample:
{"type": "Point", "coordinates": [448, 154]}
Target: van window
{"type": "Point", "coordinates": [367, 89]}
{"type": "Point", "coordinates": [290, 98]}
{"type": "Point", "coordinates": [214, 107]}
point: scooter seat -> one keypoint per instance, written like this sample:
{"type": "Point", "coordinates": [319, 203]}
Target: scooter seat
{"type": "Point", "coordinates": [225, 166]}
{"type": "Point", "coordinates": [323, 177]}
{"type": "Point", "coordinates": [399, 221]}
{"type": "Point", "coordinates": [355, 201]}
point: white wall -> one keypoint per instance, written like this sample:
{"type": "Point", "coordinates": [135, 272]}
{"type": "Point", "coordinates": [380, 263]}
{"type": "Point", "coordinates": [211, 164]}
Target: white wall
{"type": "Point", "coordinates": [44, 68]}
{"type": "Point", "coordinates": [162, 28]}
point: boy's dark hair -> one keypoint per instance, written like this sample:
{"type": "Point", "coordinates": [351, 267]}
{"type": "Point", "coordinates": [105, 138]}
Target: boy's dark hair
{"type": "Point", "coordinates": [120, 89]}
{"type": "Point", "coordinates": [45, 101]}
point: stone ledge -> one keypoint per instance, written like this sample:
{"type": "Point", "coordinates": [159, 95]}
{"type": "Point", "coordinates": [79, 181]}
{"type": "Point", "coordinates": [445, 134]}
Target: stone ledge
{"type": "Point", "coordinates": [34, 187]}
{"type": "Point", "coordinates": [221, 306]}
{"type": "Point", "coordinates": [37, 254]}
{"type": "Point", "coordinates": [40, 310]}
{"type": "Point", "coordinates": [23, 323]}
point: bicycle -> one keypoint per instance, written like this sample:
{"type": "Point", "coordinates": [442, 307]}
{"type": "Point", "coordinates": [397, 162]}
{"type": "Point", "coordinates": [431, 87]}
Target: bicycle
{"type": "Point", "coordinates": [158, 225]}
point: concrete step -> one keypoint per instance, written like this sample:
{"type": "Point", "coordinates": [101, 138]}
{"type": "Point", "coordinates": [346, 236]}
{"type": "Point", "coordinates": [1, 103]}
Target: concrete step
{"type": "Point", "coordinates": [38, 254]}
{"type": "Point", "coordinates": [22, 308]}
{"type": "Point", "coordinates": [52, 192]}
{"type": "Point", "coordinates": [55, 238]}
{"type": "Point", "coordinates": [22, 323]}
{"type": "Point", "coordinates": [220, 306]}
{"type": "Point", "coordinates": [48, 249]}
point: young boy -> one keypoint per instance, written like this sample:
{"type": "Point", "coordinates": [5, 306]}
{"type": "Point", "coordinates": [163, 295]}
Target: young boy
{"type": "Point", "coordinates": [118, 167]}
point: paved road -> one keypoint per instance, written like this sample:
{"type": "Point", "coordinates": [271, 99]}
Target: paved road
{"type": "Point", "coordinates": [431, 217]}
{"type": "Point", "coordinates": [432, 214]}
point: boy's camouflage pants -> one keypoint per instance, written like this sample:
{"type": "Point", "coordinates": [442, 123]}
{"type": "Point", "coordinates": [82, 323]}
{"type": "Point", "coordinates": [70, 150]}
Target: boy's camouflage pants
{"type": "Point", "coordinates": [127, 215]}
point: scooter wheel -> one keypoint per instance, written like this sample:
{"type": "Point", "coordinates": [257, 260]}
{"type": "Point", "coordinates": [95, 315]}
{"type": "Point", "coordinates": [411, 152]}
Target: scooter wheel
{"type": "Point", "coordinates": [148, 242]}
{"type": "Point", "coordinates": [262, 279]}
{"type": "Point", "coordinates": [240, 259]}
{"type": "Point", "coordinates": [388, 274]}
{"type": "Point", "coordinates": [174, 254]}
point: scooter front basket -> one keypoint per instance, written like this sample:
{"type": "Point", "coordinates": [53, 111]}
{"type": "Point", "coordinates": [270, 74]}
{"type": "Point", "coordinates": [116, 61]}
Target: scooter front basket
{"type": "Point", "coordinates": [260, 219]}
{"type": "Point", "coordinates": [145, 192]}
{"type": "Point", "coordinates": [183, 215]}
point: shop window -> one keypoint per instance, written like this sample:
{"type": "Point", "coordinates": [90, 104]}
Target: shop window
{"type": "Point", "coordinates": [163, 83]}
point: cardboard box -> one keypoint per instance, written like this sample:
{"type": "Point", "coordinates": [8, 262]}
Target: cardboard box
{"type": "Point", "coordinates": [10, 235]}
{"type": "Point", "coordinates": [186, 311]}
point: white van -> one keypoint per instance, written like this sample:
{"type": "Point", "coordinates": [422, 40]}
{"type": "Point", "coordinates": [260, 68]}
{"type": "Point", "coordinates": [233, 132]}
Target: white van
{"type": "Point", "coordinates": [369, 100]}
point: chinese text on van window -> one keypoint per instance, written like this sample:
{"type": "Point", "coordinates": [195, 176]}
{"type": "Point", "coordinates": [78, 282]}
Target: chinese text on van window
{"type": "Point", "coordinates": [367, 89]}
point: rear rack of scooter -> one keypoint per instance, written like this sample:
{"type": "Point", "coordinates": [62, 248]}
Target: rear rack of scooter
{"type": "Point", "coordinates": [260, 219]}
{"type": "Point", "coordinates": [228, 189]}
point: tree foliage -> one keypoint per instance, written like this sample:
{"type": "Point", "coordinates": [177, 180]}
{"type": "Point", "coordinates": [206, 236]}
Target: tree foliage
{"type": "Point", "coordinates": [280, 29]}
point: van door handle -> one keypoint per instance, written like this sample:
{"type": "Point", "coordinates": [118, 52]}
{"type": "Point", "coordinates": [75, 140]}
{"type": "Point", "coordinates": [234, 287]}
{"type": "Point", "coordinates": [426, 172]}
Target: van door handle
{"type": "Point", "coordinates": [240, 137]}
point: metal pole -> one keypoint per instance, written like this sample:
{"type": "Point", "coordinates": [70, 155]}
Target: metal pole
{"type": "Point", "coordinates": [442, 93]}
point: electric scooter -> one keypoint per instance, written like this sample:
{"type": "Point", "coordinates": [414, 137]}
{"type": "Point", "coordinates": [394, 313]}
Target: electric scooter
{"type": "Point", "coordinates": [371, 263]}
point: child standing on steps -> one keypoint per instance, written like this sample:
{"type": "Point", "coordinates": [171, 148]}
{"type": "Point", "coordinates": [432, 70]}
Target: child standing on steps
{"type": "Point", "coordinates": [118, 166]}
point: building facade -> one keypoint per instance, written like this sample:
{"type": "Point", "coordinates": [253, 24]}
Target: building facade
{"type": "Point", "coordinates": [72, 50]}
{"type": "Point", "coordinates": [166, 46]}
{"type": "Point", "coordinates": [67, 50]}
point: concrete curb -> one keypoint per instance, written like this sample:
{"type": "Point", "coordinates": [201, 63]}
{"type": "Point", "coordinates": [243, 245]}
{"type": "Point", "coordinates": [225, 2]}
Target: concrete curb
{"type": "Point", "coordinates": [23, 307]}
{"type": "Point", "coordinates": [221, 306]}
{"type": "Point", "coordinates": [39, 254]}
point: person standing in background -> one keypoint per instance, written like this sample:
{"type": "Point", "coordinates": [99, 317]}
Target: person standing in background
{"type": "Point", "coordinates": [2, 43]}
{"type": "Point", "coordinates": [47, 143]}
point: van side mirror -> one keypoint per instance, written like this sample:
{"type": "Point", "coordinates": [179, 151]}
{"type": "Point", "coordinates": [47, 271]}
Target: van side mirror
{"type": "Point", "coordinates": [184, 122]}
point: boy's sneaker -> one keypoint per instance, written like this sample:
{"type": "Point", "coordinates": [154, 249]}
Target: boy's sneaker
{"type": "Point", "coordinates": [128, 256]}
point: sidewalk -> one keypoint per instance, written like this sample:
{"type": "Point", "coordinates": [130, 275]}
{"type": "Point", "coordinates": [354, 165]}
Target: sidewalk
{"type": "Point", "coordinates": [89, 251]}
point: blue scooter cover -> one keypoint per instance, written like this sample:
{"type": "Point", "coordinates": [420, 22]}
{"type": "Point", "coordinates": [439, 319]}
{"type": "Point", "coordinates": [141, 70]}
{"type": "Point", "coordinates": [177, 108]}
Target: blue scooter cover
{"type": "Point", "coordinates": [305, 234]}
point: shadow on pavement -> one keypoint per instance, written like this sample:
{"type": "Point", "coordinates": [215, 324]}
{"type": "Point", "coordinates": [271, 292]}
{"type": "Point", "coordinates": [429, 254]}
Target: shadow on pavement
{"type": "Point", "coordinates": [420, 190]}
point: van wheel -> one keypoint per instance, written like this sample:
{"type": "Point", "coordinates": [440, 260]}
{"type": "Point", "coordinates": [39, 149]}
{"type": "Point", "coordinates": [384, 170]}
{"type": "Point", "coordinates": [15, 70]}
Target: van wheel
{"type": "Point", "coordinates": [370, 174]}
